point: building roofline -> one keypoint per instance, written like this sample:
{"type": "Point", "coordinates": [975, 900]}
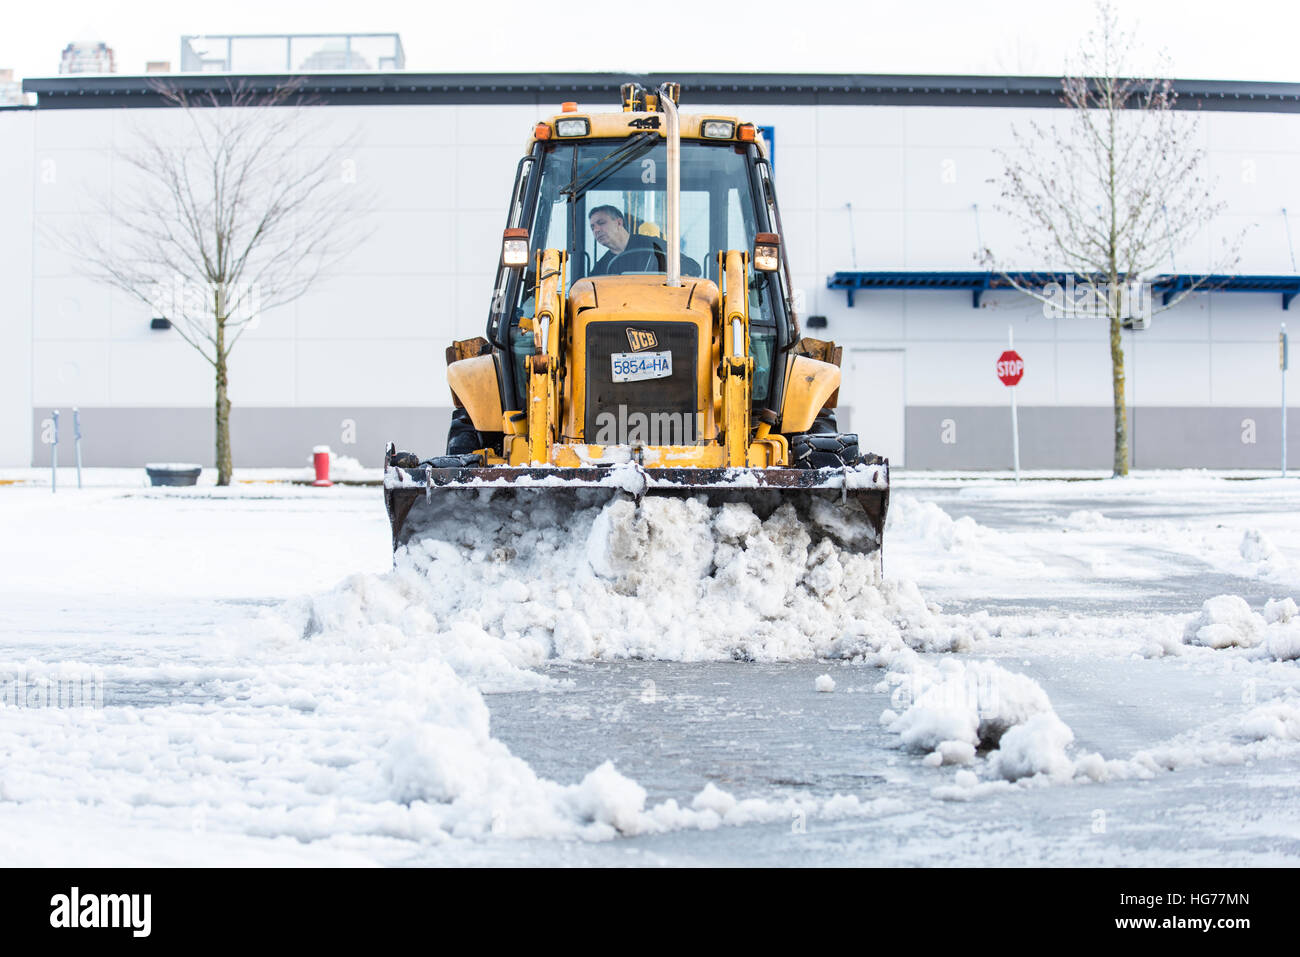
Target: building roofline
{"type": "Point", "coordinates": [88, 91]}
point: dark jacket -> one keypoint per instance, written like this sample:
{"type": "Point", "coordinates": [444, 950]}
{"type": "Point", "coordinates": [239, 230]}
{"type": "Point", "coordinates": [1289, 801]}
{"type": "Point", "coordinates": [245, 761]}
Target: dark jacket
{"type": "Point", "coordinates": [634, 243]}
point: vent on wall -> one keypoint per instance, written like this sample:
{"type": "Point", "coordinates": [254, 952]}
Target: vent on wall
{"type": "Point", "coordinates": [160, 324]}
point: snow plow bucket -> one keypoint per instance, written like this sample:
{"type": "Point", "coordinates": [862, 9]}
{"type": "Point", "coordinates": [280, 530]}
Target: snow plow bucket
{"type": "Point", "coordinates": [847, 505]}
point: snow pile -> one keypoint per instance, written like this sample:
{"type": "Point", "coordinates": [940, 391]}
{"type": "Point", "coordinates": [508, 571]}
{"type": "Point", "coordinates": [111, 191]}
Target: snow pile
{"type": "Point", "coordinates": [1223, 622]}
{"type": "Point", "coordinates": [921, 535]}
{"type": "Point", "coordinates": [959, 708]}
{"type": "Point", "coordinates": [1084, 519]}
{"type": "Point", "coordinates": [1279, 720]}
{"type": "Point", "coordinates": [1227, 621]}
{"type": "Point", "coordinates": [926, 522]}
{"type": "Point", "coordinates": [1262, 558]}
{"type": "Point", "coordinates": [506, 582]}
{"type": "Point", "coordinates": [1256, 547]}
{"type": "Point", "coordinates": [1036, 746]}
{"type": "Point", "coordinates": [573, 575]}
{"type": "Point", "coordinates": [1267, 731]}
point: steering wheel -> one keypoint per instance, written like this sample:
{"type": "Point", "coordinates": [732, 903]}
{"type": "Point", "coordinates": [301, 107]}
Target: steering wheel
{"type": "Point", "coordinates": [643, 259]}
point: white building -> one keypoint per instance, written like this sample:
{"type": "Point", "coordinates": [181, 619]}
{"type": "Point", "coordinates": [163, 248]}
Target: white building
{"type": "Point", "coordinates": [359, 360]}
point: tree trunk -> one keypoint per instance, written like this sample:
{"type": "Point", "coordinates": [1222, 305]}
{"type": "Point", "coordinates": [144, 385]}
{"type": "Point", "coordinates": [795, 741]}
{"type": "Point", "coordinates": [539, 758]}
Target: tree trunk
{"type": "Point", "coordinates": [1121, 406]}
{"type": "Point", "coordinates": [223, 410]}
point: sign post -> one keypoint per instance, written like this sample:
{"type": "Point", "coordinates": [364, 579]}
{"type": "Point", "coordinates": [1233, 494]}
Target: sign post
{"type": "Point", "coordinates": [1010, 369]}
{"type": "Point", "coordinates": [54, 456]}
{"type": "Point", "coordinates": [76, 435]}
{"type": "Point", "coordinates": [1283, 360]}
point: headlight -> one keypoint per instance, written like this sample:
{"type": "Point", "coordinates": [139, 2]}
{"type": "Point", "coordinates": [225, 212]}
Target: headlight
{"type": "Point", "coordinates": [514, 248]}
{"type": "Point", "coordinates": [767, 252]}
{"type": "Point", "coordinates": [575, 126]}
{"type": "Point", "coordinates": [718, 129]}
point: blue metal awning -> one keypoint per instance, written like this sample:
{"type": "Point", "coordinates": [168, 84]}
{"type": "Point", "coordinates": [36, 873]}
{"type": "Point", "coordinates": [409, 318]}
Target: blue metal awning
{"type": "Point", "coordinates": [1166, 286]}
{"type": "Point", "coordinates": [1170, 286]}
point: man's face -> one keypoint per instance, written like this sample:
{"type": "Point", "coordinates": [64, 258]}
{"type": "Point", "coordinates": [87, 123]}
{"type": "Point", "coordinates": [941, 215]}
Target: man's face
{"type": "Point", "coordinates": [608, 231]}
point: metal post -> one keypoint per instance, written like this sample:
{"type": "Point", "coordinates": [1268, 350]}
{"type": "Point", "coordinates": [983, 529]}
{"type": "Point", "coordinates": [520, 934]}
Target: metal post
{"type": "Point", "coordinates": [76, 443]}
{"type": "Point", "coordinates": [54, 456]}
{"type": "Point", "coordinates": [1015, 425]}
{"type": "Point", "coordinates": [674, 186]}
{"type": "Point", "coordinates": [1283, 361]}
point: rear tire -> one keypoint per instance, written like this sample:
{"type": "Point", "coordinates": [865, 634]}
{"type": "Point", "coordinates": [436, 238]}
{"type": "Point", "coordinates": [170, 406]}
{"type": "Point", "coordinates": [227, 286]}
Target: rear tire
{"type": "Point", "coordinates": [820, 450]}
{"type": "Point", "coordinates": [463, 438]}
{"type": "Point", "coordinates": [823, 445]}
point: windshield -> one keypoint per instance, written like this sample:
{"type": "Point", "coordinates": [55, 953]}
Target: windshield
{"type": "Point", "coordinates": [605, 203]}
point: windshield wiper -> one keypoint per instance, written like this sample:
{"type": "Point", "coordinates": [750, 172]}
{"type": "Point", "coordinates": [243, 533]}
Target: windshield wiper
{"type": "Point", "coordinates": [612, 161]}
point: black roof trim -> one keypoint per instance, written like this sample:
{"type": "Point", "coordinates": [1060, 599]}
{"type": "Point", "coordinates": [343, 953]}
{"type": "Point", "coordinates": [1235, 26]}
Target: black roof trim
{"type": "Point", "coordinates": [83, 91]}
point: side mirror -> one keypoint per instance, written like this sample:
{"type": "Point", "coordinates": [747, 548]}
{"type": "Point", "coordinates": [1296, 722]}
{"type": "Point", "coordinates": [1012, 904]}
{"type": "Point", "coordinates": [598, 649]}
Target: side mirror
{"type": "Point", "coordinates": [514, 248]}
{"type": "Point", "coordinates": [767, 252]}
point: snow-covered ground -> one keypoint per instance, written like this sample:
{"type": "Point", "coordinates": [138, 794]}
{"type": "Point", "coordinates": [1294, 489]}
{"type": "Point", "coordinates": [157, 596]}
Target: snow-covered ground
{"type": "Point", "coordinates": [1048, 673]}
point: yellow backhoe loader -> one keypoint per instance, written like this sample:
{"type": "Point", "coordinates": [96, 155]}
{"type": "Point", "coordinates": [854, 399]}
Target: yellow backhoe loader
{"type": "Point", "coordinates": [642, 338]}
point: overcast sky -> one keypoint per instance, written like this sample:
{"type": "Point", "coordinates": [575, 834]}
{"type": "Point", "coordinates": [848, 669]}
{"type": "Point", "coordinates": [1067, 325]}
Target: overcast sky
{"type": "Point", "coordinates": [1208, 39]}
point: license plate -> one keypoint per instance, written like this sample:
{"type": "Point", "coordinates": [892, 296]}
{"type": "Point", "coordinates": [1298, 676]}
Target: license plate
{"type": "Point", "coordinates": [637, 366]}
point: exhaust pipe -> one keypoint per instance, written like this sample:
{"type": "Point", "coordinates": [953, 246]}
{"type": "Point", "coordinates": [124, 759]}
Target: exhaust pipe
{"type": "Point", "coordinates": [667, 102]}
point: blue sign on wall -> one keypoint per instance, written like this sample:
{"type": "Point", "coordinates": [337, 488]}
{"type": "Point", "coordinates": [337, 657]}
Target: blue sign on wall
{"type": "Point", "coordinates": [769, 137]}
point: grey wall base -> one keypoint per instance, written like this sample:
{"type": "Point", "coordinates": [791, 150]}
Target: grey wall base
{"type": "Point", "coordinates": [260, 438]}
{"type": "Point", "coordinates": [1056, 437]}
{"type": "Point", "coordinates": [1051, 437]}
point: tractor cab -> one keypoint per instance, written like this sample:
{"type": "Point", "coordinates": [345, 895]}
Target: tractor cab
{"type": "Point", "coordinates": [597, 186]}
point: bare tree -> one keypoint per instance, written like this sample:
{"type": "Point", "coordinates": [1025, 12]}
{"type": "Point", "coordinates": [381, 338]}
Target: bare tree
{"type": "Point", "coordinates": [239, 213]}
{"type": "Point", "coordinates": [1111, 194]}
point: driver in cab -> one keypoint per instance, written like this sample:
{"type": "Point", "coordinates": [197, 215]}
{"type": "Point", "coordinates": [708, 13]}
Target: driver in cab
{"type": "Point", "coordinates": [637, 253]}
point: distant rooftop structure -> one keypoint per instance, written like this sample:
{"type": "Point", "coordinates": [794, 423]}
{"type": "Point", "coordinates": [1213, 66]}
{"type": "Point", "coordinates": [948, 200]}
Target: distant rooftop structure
{"type": "Point", "coordinates": [292, 53]}
{"type": "Point", "coordinates": [88, 57]}
{"type": "Point", "coordinates": [11, 90]}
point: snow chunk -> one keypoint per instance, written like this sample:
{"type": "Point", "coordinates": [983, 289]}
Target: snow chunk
{"type": "Point", "coordinates": [927, 522]}
{"type": "Point", "coordinates": [1256, 547]}
{"type": "Point", "coordinates": [714, 799]}
{"type": "Point", "coordinates": [1280, 611]}
{"type": "Point", "coordinates": [607, 797]}
{"type": "Point", "coordinates": [974, 703]}
{"type": "Point", "coordinates": [1223, 622]}
{"type": "Point", "coordinates": [824, 683]}
{"type": "Point", "coordinates": [1036, 747]}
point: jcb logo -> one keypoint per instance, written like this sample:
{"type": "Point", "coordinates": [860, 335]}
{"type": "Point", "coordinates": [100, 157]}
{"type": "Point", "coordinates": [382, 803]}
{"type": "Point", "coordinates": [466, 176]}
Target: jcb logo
{"type": "Point", "coordinates": [640, 339]}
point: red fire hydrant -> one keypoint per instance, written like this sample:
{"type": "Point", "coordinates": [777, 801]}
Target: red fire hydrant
{"type": "Point", "coordinates": [321, 459]}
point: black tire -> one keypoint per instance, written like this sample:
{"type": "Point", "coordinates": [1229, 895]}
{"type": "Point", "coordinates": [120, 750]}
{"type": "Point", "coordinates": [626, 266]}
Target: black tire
{"type": "Point", "coordinates": [812, 450]}
{"type": "Point", "coordinates": [462, 438]}
{"type": "Point", "coordinates": [824, 424]}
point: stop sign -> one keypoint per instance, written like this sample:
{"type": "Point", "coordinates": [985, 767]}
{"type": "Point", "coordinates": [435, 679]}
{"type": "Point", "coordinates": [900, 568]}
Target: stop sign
{"type": "Point", "coordinates": [1010, 367]}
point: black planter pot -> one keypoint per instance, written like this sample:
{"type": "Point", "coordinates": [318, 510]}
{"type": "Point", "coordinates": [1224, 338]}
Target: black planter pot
{"type": "Point", "coordinates": [173, 474]}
